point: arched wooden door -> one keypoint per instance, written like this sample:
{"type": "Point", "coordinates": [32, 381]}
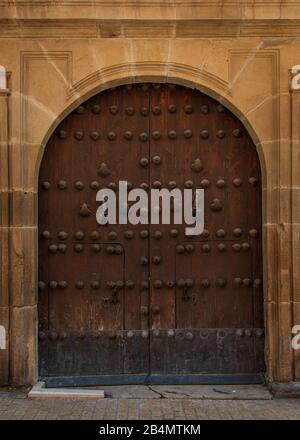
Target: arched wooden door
{"type": "Point", "coordinates": [123, 303]}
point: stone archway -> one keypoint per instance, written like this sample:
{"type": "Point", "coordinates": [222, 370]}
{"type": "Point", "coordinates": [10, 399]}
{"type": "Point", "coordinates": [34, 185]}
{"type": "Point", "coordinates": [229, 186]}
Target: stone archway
{"type": "Point", "coordinates": [58, 335]}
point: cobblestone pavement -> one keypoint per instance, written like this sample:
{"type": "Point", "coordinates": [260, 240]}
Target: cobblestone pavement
{"type": "Point", "coordinates": [16, 405]}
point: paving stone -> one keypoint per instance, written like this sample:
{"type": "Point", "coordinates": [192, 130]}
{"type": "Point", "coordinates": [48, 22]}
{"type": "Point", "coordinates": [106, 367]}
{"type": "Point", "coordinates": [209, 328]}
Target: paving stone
{"type": "Point", "coordinates": [16, 406]}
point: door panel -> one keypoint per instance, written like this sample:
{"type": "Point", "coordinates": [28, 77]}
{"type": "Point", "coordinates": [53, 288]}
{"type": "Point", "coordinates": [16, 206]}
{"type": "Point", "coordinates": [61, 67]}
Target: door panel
{"type": "Point", "coordinates": [146, 300]}
{"type": "Point", "coordinates": [84, 329]}
{"type": "Point", "coordinates": [216, 277]}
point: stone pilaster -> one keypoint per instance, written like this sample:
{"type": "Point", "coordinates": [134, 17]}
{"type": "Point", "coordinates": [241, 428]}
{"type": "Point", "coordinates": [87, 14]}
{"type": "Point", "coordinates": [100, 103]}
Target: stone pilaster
{"type": "Point", "coordinates": [4, 239]}
{"type": "Point", "coordinates": [295, 110]}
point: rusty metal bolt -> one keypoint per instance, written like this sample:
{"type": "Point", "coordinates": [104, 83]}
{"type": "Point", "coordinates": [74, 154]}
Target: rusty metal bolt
{"type": "Point", "coordinates": [158, 284]}
{"type": "Point", "coordinates": [180, 249]}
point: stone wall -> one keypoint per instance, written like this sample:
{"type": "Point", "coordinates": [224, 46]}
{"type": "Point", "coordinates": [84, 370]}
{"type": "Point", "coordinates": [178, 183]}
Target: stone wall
{"type": "Point", "coordinates": [57, 54]}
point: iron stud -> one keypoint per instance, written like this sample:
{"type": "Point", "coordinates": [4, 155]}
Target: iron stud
{"type": "Point", "coordinates": [94, 185]}
{"type": "Point", "coordinates": [156, 110]}
{"type": "Point", "coordinates": [128, 135]}
{"type": "Point", "coordinates": [206, 248]}
{"type": "Point", "coordinates": [103, 170]}
{"type": "Point", "coordinates": [180, 249]}
{"type": "Point", "coordinates": [144, 111]}
{"type": "Point", "coordinates": [62, 184]}
{"type": "Point", "coordinates": [84, 210]}
{"type": "Point", "coordinates": [79, 235]}
{"type": "Point", "coordinates": [237, 282]}
{"type": "Point", "coordinates": [221, 134]}
{"type": "Point", "coordinates": [144, 233]}
{"type": "Point", "coordinates": [52, 248]}
{"type": "Point", "coordinates": [95, 285]}
{"type": "Point", "coordinates": [197, 165]}
{"type": "Point", "coordinates": [245, 246]}
{"type": "Point", "coordinates": [53, 284]}
{"type": "Point", "coordinates": [172, 108]}
{"type": "Point", "coordinates": [205, 283]}
{"type": "Point", "coordinates": [129, 111]}
{"type": "Point", "coordinates": [237, 133]}
{"type": "Point", "coordinates": [236, 247]}
{"type": "Point", "coordinates": [143, 137]}
{"type": "Point", "coordinates": [78, 248]}
{"type": "Point", "coordinates": [189, 248]}
{"type": "Point", "coordinates": [96, 109]}
{"type": "Point", "coordinates": [78, 135]}
{"type": "Point", "coordinates": [94, 135]}
{"type": "Point", "coordinates": [79, 185]}
{"type": "Point", "coordinates": [112, 235]}
{"type": "Point", "coordinates": [204, 109]}
{"type": "Point", "coordinates": [257, 282]}
{"type": "Point", "coordinates": [111, 136]}
{"type": "Point", "coordinates": [144, 161]}
{"type": "Point", "coordinates": [221, 282]}
{"type": "Point", "coordinates": [62, 235]}
{"type": "Point", "coordinates": [220, 183]}
{"type": "Point", "coordinates": [144, 261]}
{"type": "Point", "coordinates": [41, 285]}
{"type": "Point", "coordinates": [113, 109]}
{"type": "Point", "coordinates": [247, 282]}
{"type": "Point", "coordinates": [187, 134]}
{"type": "Point", "coordinates": [144, 186]}
{"type": "Point", "coordinates": [172, 134]}
{"type": "Point", "coordinates": [156, 135]}
{"type": "Point", "coordinates": [188, 109]}
{"type": "Point", "coordinates": [62, 134]}
{"type": "Point", "coordinates": [46, 185]}
{"type": "Point", "coordinates": [62, 284]}
{"type": "Point", "coordinates": [172, 184]}
{"type": "Point", "coordinates": [205, 183]}
{"type": "Point", "coordinates": [216, 205]}
{"type": "Point", "coordinates": [156, 160]}
{"type": "Point", "coordinates": [253, 181]}
{"type": "Point", "coordinates": [62, 248]}
{"type": "Point", "coordinates": [204, 134]}
{"type": "Point", "coordinates": [188, 184]}
{"type": "Point", "coordinates": [129, 234]}
{"type": "Point", "coordinates": [46, 234]}
{"type": "Point", "coordinates": [237, 232]}
{"type": "Point", "coordinates": [221, 247]}
{"type": "Point", "coordinates": [156, 259]}
{"type": "Point", "coordinates": [80, 110]}
{"type": "Point", "coordinates": [95, 235]}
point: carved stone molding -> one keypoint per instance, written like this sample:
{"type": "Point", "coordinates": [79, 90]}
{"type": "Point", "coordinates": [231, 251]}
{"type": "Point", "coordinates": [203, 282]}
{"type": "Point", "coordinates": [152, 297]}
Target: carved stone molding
{"type": "Point", "coordinates": [162, 71]}
{"type": "Point", "coordinates": [220, 9]}
{"type": "Point", "coordinates": [160, 28]}
{"type": "Point", "coordinates": [42, 56]}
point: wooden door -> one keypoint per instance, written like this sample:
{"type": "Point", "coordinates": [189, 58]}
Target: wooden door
{"type": "Point", "coordinates": [206, 291]}
{"type": "Point", "coordinates": [140, 303]}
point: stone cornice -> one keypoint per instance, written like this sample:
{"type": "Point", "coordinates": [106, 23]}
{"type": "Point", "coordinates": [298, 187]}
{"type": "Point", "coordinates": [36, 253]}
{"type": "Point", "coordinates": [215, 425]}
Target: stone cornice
{"type": "Point", "coordinates": [160, 28]}
{"type": "Point", "coordinates": [150, 9]}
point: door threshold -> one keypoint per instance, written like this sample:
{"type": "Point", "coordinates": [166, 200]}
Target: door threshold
{"type": "Point", "coordinates": [41, 390]}
{"type": "Point", "coordinates": [159, 379]}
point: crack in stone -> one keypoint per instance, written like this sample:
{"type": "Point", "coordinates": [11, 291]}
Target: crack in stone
{"type": "Point", "coordinates": [178, 393]}
{"type": "Point", "coordinates": [156, 392]}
